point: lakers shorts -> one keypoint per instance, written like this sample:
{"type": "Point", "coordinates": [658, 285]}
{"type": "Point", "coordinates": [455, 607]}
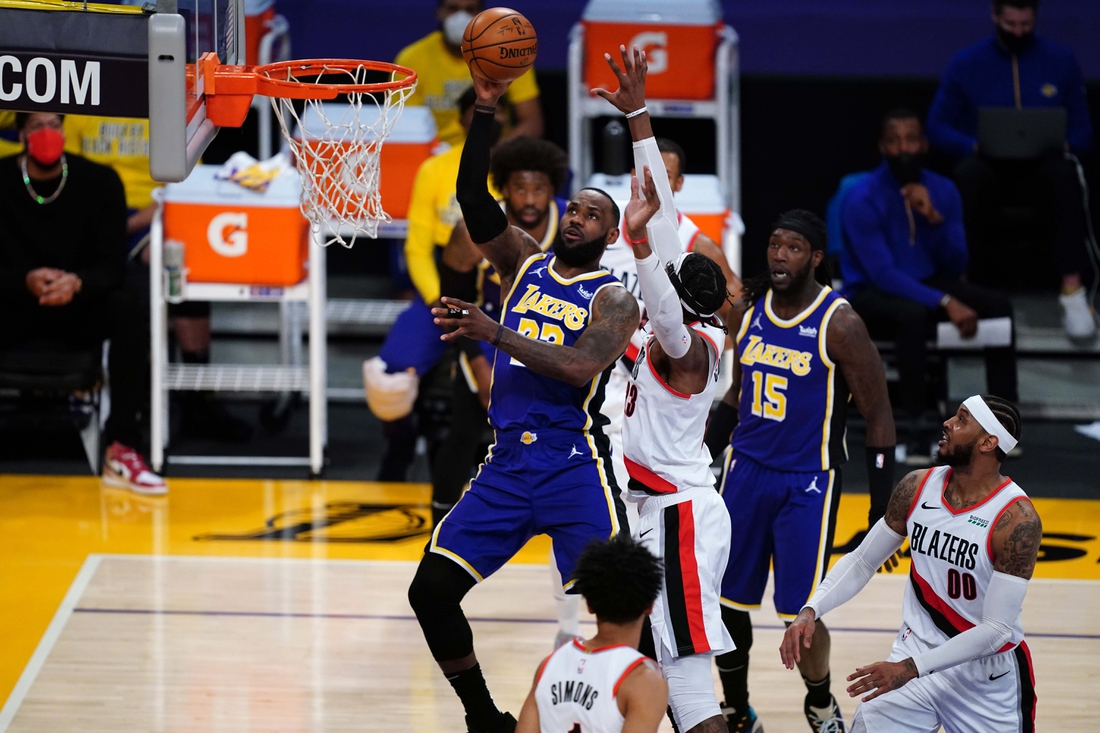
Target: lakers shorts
{"type": "Point", "coordinates": [552, 482]}
{"type": "Point", "coordinates": [995, 693]}
{"type": "Point", "coordinates": [413, 341]}
{"type": "Point", "coordinates": [690, 532]}
{"type": "Point", "coordinates": [781, 520]}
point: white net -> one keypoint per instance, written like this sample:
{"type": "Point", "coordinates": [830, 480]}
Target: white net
{"type": "Point", "coordinates": [337, 146]}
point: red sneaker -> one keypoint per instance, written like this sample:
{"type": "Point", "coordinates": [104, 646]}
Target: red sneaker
{"type": "Point", "coordinates": [125, 468]}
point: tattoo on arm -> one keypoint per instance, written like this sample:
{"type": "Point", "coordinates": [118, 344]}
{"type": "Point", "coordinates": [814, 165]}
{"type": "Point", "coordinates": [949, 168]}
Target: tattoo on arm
{"type": "Point", "coordinates": [1020, 549]}
{"type": "Point", "coordinates": [507, 252]}
{"type": "Point", "coordinates": [614, 319]}
{"type": "Point", "coordinates": [898, 510]}
{"type": "Point", "coordinates": [901, 679]}
{"type": "Point", "coordinates": [850, 346]}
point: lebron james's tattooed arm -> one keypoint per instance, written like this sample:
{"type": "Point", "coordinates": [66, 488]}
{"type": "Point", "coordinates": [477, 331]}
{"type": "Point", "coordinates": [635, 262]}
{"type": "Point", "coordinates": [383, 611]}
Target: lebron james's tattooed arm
{"type": "Point", "coordinates": [614, 319]}
{"type": "Point", "coordinates": [897, 512]}
{"type": "Point", "coordinates": [1016, 538]}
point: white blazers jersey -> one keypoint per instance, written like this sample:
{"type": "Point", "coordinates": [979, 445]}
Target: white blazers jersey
{"type": "Point", "coordinates": [618, 258]}
{"type": "Point", "coordinates": [576, 688]}
{"type": "Point", "coordinates": [952, 558]}
{"type": "Point", "coordinates": [663, 429]}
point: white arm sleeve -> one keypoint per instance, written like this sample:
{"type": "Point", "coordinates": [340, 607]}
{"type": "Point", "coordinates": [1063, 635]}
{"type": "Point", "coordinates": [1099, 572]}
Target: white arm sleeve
{"type": "Point", "coordinates": [662, 305]}
{"type": "Point", "coordinates": [1004, 599]}
{"type": "Point", "coordinates": [852, 571]}
{"type": "Point", "coordinates": [664, 226]}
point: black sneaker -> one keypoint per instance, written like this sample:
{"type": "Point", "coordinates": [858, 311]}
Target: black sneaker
{"type": "Point", "coordinates": [742, 723]}
{"type": "Point", "coordinates": [505, 723]}
{"type": "Point", "coordinates": [824, 720]}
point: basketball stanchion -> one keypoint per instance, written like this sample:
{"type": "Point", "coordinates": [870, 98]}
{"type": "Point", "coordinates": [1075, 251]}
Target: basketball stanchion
{"type": "Point", "coordinates": [338, 157]}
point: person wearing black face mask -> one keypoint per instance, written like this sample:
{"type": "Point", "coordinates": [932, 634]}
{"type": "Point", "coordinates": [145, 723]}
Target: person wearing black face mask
{"type": "Point", "coordinates": [1015, 67]}
{"type": "Point", "coordinates": [904, 254]}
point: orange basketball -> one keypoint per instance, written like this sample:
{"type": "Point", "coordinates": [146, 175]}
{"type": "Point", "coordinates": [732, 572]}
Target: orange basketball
{"type": "Point", "coordinates": [499, 44]}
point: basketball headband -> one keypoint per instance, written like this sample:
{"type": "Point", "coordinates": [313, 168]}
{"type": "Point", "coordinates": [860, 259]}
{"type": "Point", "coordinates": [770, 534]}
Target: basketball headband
{"type": "Point", "coordinates": [989, 422]}
{"type": "Point", "coordinates": [686, 300]}
{"type": "Point", "coordinates": [816, 240]}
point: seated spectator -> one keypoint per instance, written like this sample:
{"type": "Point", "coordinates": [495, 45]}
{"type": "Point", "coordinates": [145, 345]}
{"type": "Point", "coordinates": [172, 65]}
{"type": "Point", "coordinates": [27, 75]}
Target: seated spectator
{"type": "Point", "coordinates": [1017, 68]}
{"type": "Point", "coordinates": [443, 76]}
{"type": "Point", "coordinates": [902, 264]}
{"type": "Point", "coordinates": [123, 144]}
{"type": "Point", "coordinates": [62, 264]}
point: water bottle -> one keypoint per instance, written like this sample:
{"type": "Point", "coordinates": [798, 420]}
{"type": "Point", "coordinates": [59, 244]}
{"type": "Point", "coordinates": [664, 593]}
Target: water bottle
{"type": "Point", "coordinates": [614, 149]}
{"type": "Point", "coordinates": [174, 273]}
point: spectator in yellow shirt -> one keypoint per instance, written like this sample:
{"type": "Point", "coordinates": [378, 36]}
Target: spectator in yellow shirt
{"type": "Point", "coordinates": [9, 135]}
{"type": "Point", "coordinates": [443, 76]}
{"type": "Point", "coordinates": [123, 144]}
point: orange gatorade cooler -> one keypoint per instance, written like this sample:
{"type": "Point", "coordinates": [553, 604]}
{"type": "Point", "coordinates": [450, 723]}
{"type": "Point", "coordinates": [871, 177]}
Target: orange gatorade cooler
{"type": "Point", "coordinates": [680, 38]}
{"type": "Point", "coordinates": [257, 15]}
{"type": "Point", "coordinates": [231, 234]}
{"type": "Point", "coordinates": [411, 142]}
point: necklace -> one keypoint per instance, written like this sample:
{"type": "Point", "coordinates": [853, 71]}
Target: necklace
{"type": "Point", "coordinates": [47, 199]}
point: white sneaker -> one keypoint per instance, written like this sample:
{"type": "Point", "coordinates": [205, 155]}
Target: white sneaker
{"type": "Point", "coordinates": [1077, 315]}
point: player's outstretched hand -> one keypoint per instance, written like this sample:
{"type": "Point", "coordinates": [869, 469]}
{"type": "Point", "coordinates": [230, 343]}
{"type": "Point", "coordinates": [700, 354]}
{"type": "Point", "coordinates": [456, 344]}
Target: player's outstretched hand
{"type": "Point", "coordinates": [644, 203]}
{"type": "Point", "coordinates": [891, 563]}
{"type": "Point", "coordinates": [471, 321]}
{"type": "Point", "coordinates": [800, 633]}
{"type": "Point", "coordinates": [881, 677]}
{"type": "Point", "coordinates": [488, 91]}
{"type": "Point", "coordinates": [631, 93]}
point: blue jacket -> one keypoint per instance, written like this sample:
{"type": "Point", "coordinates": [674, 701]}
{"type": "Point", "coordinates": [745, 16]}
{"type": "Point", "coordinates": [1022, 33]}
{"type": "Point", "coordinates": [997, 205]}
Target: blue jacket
{"type": "Point", "coordinates": [981, 76]}
{"type": "Point", "coordinates": [877, 251]}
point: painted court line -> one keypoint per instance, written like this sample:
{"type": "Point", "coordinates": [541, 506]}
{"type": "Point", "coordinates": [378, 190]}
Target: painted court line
{"type": "Point", "coordinates": [46, 644]}
{"type": "Point", "coordinates": [480, 619]}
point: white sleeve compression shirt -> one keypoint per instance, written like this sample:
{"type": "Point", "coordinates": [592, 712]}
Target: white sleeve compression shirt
{"type": "Point", "coordinates": [662, 303]}
{"type": "Point", "coordinates": [852, 571]}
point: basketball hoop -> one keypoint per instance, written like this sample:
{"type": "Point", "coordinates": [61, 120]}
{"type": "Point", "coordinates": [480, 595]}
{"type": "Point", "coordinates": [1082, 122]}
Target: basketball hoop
{"type": "Point", "coordinates": [337, 150]}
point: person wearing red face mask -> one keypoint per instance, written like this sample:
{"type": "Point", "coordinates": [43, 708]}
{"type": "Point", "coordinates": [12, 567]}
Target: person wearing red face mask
{"type": "Point", "coordinates": [62, 265]}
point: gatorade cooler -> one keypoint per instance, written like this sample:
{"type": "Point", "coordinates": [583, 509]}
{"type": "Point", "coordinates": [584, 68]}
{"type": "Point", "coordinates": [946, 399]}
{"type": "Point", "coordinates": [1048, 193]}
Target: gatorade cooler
{"type": "Point", "coordinates": [680, 38]}
{"type": "Point", "coordinates": [412, 141]}
{"type": "Point", "coordinates": [231, 234]}
{"type": "Point", "coordinates": [258, 14]}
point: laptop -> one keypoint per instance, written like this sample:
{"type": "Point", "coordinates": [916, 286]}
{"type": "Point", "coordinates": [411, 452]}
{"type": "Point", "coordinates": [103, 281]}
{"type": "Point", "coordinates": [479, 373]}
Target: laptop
{"type": "Point", "coordinates": [1008, 133]}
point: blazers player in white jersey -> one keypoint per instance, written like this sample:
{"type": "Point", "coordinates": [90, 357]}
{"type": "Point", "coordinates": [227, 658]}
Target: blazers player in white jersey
{"type": "Point", "coordinates": [682, 519]}
{"type": "Point", "coordinates": [604, 684]}
{"type": "Point", "coordinates": [960, 659]}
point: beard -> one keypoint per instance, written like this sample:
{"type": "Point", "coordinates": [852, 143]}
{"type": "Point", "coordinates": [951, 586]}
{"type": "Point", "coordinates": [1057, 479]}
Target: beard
{"type": "Point", "coordinates": [580, 254]}
{"type": "Point", "coordinates": [797, 279]}
{"type": "Point", "coordinates": [958, 457]}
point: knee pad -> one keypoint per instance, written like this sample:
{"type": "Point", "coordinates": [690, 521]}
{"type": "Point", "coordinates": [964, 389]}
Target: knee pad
{"type": "Point", "coordinates": [690, 690]}
{"type": "Point", "coordinates": [389, 396]}
{"type": "Point", "coordinates": [739, 624]}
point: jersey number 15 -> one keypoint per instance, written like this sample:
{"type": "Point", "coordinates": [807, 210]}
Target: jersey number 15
{"type": "Point", "coordinates": [768, 400]}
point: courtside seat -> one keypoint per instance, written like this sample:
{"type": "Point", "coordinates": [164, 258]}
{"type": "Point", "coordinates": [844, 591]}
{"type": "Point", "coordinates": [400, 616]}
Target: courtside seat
{"type": "Point", "coordinates": [43, 375]}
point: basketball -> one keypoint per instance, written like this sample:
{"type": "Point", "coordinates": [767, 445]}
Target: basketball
{"type": "Point", "coordinates": [499, 44]}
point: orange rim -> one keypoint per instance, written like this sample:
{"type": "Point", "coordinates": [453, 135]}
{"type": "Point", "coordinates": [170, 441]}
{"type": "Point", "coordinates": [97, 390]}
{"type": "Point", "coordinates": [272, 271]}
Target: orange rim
{"type": "Point", "coordinates": [282, 79]}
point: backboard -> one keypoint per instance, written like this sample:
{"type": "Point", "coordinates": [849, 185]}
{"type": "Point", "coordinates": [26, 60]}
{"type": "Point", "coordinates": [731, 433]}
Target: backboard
{"type": "Point", "coordinates": [122, 59]}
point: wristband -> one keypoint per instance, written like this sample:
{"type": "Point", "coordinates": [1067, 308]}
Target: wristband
{"type": "Point", "coordinates": [500, 332]}
{"type": "Point", "coordinates": [632, 242]}
{"type": "Point", "coordinates": [945, 300]}
{"type": "Point", "coordinates": [880, 480]}
{"type": "Point", "coordinates": [486, 109]}
{"type": "Point", "coordinates": [636, 112]}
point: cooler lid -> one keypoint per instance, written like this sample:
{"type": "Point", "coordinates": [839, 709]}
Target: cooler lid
{"type": "Point", "coordinates": [415, 125]}
{"type": "Point", "coordinates": [202, 188]}
{"type": "Point", "coordinates": [666, 12]}
{"type": "Point", "coordinates": [257, 7]}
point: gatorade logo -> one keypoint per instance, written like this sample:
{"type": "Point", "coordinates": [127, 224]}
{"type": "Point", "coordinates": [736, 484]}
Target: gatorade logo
{"type": "Point", "coordinates": [227, 234]}
{"type": "Point", "coordinates": [655, 45]}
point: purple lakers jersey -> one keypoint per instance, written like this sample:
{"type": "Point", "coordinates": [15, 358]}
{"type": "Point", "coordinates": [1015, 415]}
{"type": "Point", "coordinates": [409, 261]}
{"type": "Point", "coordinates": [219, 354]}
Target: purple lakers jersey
{"type": "Point", "coordinates": [793, 404]}
{"type": "Point", "coordinates": [543, 305]}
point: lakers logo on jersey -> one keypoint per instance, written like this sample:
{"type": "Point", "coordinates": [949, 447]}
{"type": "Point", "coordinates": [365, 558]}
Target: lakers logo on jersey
{"type": "Point", "coordinates": [758, 352]}
{"type": "Point", "coordinates": [536, 301]}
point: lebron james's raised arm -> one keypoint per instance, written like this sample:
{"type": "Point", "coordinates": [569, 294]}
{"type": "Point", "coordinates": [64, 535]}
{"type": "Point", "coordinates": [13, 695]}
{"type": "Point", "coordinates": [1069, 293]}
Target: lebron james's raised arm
{"type": "Point", "coordinates": [505, 246]}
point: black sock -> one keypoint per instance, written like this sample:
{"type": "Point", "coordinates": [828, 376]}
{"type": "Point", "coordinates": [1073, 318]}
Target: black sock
{"type": "Point", "coordinates": [817, 694]}
{"type": "Point", "coordinates": [481, 711]}
{"type": "Point", "coordinates": [195, 357]}
{"type": "Point", "coordinates": [735, 684]}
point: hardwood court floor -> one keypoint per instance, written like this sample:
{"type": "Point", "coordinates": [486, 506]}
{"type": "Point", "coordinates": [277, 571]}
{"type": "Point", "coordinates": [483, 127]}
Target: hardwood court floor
{"type": "Point", "coordinates": [279, 606]}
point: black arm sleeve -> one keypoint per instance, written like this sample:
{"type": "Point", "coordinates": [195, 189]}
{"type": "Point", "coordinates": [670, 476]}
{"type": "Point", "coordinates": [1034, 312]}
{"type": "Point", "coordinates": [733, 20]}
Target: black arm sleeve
{"type": "Point", "coordinates": [469, 347]}
{"type": "Point", "coordinates": [484, 218]}
{"type": "Point", "coordinates": [455, 284]}
{"type": "Point", "coordinates": [880, 481]}
{"type": "Point", "coordinates": [720, 428]}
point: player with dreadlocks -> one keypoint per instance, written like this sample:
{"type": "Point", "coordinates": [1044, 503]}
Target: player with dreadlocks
{"type": "Point", "coordinates": [681, 518]}
{"type": "Point", "coordinates": [801, 351]}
